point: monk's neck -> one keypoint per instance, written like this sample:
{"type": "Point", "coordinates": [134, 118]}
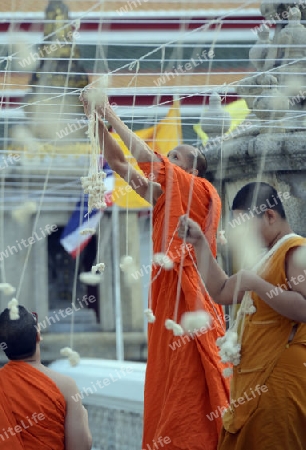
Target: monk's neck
{"type": "Point", "coordinates": [280, 234]}
{"type": "Point", "coordinates": [34, 360]}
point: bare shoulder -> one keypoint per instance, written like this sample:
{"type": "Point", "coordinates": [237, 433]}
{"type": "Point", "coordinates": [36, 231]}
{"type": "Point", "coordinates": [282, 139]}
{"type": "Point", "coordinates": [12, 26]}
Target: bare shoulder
{"type": "Point", "coordinates": [66, 384]}
{"type": "Point", "coordinates": [294, 272]}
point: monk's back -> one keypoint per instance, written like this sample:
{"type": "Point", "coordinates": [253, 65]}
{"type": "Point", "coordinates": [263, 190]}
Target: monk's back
{"type": "Point", "coordinates": [37, 404]}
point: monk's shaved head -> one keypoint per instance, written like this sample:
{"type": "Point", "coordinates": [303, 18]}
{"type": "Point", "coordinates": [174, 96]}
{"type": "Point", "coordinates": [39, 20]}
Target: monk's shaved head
{"type": "Point", "coordinates": [188, 158]}
{"type": "Point", "coordinates": [255, 195]}
{"type": "Point", "coordinates": [19, 336]}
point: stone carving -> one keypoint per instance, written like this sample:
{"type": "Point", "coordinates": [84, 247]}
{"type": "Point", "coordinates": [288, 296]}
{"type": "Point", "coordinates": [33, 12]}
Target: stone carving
{"type": "Point", "coordinates": [259, 52]}
{"type": "Point", "coordinates": [59, 56]}
{"type": "Point", "coordinates": [215, 120]}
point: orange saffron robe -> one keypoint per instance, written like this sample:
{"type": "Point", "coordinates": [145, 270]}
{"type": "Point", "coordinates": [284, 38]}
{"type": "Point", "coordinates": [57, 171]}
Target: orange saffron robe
{"type": "Point", "coordinates": [184, 381]}
{"type": "Point", "coordinates": [32, 409]}
{"type": "Point", "coordinates": [274, 416]}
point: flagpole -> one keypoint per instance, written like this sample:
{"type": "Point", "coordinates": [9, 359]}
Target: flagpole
{"type": "Point", "coordinates": [116, 271]}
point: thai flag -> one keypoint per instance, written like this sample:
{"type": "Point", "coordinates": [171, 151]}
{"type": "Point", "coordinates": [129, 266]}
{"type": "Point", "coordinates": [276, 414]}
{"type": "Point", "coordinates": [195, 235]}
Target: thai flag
{"type": "Point", "coordinates": [71, 239]}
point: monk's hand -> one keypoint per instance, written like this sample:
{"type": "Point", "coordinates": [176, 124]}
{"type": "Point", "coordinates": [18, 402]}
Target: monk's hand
{"type": "Point", "coordinates": [95, 101]}
{"type": "Point", "coordinates": [190, 231]}
{"type": "Point", "coordinates": [246, 280]}
{"type": "Point", "coordinates": [103, 107]}
{"type": "Point", "coordinates": [84, 98]}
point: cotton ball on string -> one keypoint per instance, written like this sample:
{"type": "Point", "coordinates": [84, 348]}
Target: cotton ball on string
{"type": "Point", "coordinates": [24, 212]}
{"type": "Point", "coordinates": [90, 278]}
{"type": "Point", "coordinates": [14, 309]}
{"type": "Point", "coordinates": [227, 372]}
{"type": "Point", "coordinates": [175, 327]}
{"type": "Point", "coordinates": [94, 186]}
{"type": "Point", "coordinates": [98, 268]}
{"type": "Point", "coordinates": [229, 348]}
{"type": "Point", "coordinates": [162, 260]}
{"type": "Point", "coordinates": [169, 324]}
{"type": "Point", "coordinates": [129, 269]}
{"type": "Point", "coordinates": [221, 237]}
{"type": "Point", "coordinates": [97, 94]}
{"type": "Point", "coordinates": [197, 320]}
{"type": "Point", "coordinates": [299, 257]}
{"type": "Point", "coordinates": [73, 357]}
{"type": "Point", "coordinates": [7, 288]}
{"type": "Point", "coordinates": [149, 315]}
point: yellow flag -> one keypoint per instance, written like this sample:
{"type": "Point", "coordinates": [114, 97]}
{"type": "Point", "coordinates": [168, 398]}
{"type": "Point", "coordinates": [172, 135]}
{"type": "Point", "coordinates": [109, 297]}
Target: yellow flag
{"type": "Point", "coordinates": [161, 138]}
{"type": "Point", "coordinates": [238, 111]}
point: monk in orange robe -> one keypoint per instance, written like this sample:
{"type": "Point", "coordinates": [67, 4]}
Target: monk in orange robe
{"type": "Point", "coordinates": [267, 409]}
{"type": "Point", "coordinates": [37, 410]}
{"type": "Point", "coordinates": [184, 376]}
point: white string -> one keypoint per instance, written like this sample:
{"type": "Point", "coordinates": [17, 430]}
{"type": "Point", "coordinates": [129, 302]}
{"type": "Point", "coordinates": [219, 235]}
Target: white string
{"type": "Point", "coordinates": [201, 28]}
{"type": "Point", "coordinates": [44, 39]}
{"type": "Point", "coordinates": [2, 265]}
{"type": "Point", "coordinates": [45, 183]}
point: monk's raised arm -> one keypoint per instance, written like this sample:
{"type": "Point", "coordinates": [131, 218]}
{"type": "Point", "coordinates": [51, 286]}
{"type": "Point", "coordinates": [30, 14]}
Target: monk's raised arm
{"type": "Point", "coordinates": [117, 161]}
{"type": "Point", "coordinates": [220, 287]}
{"type": "Point", "coordinates": [139, 149]}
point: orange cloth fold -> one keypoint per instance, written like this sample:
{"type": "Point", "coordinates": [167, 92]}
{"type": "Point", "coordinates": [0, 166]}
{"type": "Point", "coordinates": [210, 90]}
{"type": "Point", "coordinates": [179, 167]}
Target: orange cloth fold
{"type": "Point", "coordinates": [184, 381]}
{"type": "Point", "coordinates": [270, 380]}
{"type": "Point", "coordinates": [32, 409]}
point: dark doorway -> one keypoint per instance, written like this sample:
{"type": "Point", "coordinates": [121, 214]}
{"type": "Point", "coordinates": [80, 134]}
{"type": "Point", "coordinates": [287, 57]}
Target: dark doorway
{"type": "Point", "coordinates": [61, 272]}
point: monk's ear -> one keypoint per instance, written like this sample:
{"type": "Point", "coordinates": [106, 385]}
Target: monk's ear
{"type": "Point", "coordinates": [270, 215]}
{"type": "Point", "coordinates": [38, 337]}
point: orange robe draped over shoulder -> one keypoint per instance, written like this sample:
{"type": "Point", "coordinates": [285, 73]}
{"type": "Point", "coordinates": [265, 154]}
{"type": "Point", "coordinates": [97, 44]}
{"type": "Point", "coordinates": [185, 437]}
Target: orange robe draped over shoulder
{"type": "Point", "coordinates": [184, 381]}
{"type": "Point", "coordinates": [32, 409]}
{"type": "Point", "coordinates": [270, 380]}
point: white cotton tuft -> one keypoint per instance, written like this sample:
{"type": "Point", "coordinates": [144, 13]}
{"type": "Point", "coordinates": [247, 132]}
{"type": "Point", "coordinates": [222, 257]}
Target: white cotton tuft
{"type": "Point", "coordinates": [169, 324]}
{"type": "Point", "coordinates": [193, 321]}
{"type": "Point", "coordinates": [126, 263]}
{"type": "Point", "coordinates": [149, 315]}
{"type": "Point", "coordinates": [129, 268]}
{"type": "Point", "coordinates": [88, 231]}
{"type": "Point", "coordinates": [89, 278]}
{"type": "Point", "coordinates": [220, 341]}
{"type": "Point", "coordinates": [98, 268]}
{"type": "Point", "coordinates": [7, 288]}
{"type": "Point", "coordinates": [231, 336]}
{"type": "Point", "coordinates": [73, 357]}
{"type": "Point", "coordinates": [98, 94]}
{"type": "Point", "coordinates": [162, 260]}
{"type": "Point", "coordinates": [229, 348]}
{"type": "Point", "coordinates": [94, 186]}
{"type": "Point", "coordinates": [299, 257]}
{"type": "Point", "coordinates": [13, 308]}
{"type": "Point", "coordinates": [24, 212]}
{"type": "Point", "coordinates": [247, 305]}
{"type": "Point", "coordinates": [227, 372]}
{"type": "Point", "coordinates": [177, 330]}
{"type": "Point", "coordinates": [175, 327]}
{"type": "Point", "coordinates": [66, 351]}
{"type": "Point", "coordinates": [221, 238]}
